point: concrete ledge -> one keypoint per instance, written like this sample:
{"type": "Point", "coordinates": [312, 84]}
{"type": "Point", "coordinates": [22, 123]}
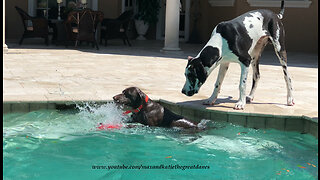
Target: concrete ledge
{"type": "Point", "coordinates": [302, 124]}
{"type": "Point", "coordinates": [28, 106]}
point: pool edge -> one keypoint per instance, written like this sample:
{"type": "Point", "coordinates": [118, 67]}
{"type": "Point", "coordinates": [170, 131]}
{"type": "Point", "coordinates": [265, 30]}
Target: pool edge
{"type": "Point", "coordinates": [302, 124]}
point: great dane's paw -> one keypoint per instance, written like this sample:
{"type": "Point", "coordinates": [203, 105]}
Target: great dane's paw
{"type": "Point", "coordinates": [290, 101]}
{"type": "Point", "coordinates": [239, 105]}
{"type": "Point", "coordinates": [249, 99]}
{"type": "Point", "coordinates": [209, 102]}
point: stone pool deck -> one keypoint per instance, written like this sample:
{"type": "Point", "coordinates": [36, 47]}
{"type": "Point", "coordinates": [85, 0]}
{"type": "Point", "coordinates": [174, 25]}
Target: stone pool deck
{"type": "Point", "coordinates": [33, 73]}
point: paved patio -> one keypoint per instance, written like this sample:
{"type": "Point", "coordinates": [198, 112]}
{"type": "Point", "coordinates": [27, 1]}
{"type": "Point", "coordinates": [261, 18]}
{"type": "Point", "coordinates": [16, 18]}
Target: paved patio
{"type": "Point", "coordinates": [35, 72]}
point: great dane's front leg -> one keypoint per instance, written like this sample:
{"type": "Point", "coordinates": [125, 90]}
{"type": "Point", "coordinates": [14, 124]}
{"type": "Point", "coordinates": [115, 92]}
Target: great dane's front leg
{"type": "Point", "coordinates": [222, 73]}
{"type": "Point", "coordinates": [242, 87]}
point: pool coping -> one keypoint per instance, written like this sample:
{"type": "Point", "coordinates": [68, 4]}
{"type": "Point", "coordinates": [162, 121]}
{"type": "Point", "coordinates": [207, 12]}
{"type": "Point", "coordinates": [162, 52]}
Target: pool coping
{"type": "Point", "coordinates": [302, 124]}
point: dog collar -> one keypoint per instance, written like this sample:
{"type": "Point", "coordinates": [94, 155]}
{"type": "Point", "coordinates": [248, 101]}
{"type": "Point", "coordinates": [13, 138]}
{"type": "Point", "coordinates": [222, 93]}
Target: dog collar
{"type": "Point", "coordinates": [136, 110]}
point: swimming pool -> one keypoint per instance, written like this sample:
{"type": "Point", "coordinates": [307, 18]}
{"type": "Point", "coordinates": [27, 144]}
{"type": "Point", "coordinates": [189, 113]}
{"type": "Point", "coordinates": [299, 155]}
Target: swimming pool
{"type": "Point", "coordinates": [53, 144]}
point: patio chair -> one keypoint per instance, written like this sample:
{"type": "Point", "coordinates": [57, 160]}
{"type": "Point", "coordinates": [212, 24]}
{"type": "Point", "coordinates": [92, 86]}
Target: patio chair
{"type": "Point", "coordinates": [82, 25]}
{"type": "Point", "coordinates": [39, 26]}
{"type": "Point", "coordinates": [116, 28]}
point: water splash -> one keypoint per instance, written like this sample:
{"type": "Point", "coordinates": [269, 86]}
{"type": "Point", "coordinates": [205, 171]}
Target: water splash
{"type": "Point", "coordinates": [55, 124]}
{"type": "Point", "coordinates": [107, 113]}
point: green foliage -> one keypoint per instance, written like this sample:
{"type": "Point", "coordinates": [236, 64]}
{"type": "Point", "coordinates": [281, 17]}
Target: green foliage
{"type": "Point", "coordinates": [148, 11]}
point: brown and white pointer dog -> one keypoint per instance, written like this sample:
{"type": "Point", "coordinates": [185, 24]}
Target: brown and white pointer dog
{"type": "Point", "coordinates": [148, 112]}
{"type": "Point", "coordinates": [239, 40]}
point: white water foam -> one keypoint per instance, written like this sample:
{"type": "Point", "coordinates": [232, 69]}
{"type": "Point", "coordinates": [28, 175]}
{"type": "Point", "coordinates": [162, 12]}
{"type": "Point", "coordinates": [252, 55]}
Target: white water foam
{"type": "Point", "coordinates": [247, 147]}
{"type": "Point", "coordinates": [54, 124]}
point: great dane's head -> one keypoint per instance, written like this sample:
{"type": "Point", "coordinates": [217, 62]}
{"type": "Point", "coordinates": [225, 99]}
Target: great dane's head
{"type": "Point", "coordinates": [196, 75]}
{"type": "Point", "coordinates": [199, 68]}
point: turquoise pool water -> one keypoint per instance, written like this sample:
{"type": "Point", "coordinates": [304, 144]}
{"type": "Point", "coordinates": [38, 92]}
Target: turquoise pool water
{"type": "Point", "coordinates": [52, 144]}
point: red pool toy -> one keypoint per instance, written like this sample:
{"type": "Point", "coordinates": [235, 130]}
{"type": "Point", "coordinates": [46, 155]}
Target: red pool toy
{"type": "Point", "coordinates": [109, 126]}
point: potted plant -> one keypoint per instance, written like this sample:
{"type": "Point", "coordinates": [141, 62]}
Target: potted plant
{"type": "Point", "coordinates": [146, 15]}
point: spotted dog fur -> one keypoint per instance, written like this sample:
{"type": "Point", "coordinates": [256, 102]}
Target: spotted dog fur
{"type": "Point", "coordinates": [240, 40]}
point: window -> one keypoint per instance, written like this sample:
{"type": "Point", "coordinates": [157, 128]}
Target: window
{"type": "Point", "coordinates": [127, 5]}
{"type": "Point", "coordinates": [277, 3]}
{"type": "Point", "coordinates": [43, 7]}
{"type": "Point", "coordinates": [49, 8]}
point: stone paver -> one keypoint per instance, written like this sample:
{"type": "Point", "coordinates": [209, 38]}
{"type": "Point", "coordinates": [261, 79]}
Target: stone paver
{"type": "Point", "coordinates": [54, 73]}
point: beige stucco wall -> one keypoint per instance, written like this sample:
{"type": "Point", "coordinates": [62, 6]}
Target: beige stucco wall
{"type": "Point", "coordinates": [301, 24]}
{"type": "Point", "coordinates": [14, 26]}
{"type": "Point", "coordinates": [211, 16]}
{"type": "Point", "coordinates": [110, 8]}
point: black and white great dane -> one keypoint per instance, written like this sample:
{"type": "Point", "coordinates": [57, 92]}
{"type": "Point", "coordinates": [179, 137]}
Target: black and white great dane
{"type": "Point", "coordinates": [239, 40]}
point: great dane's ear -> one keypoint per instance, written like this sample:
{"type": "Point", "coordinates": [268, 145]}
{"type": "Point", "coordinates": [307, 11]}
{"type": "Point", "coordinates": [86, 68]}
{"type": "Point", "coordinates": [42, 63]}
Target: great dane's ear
{"type": "Point", "coordinates": [190, 58]}
{"type": "Point", "coordinates": [209, 56]}
{"type": "Point", "coordinates": [201, 72]}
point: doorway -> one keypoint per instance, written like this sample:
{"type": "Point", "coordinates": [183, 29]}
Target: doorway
{"type": "Point", "coordinates": [128, 5]}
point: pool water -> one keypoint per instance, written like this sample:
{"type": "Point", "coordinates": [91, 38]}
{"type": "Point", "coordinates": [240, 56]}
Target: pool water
{"type": "Point", "coordinates": [53, 144]}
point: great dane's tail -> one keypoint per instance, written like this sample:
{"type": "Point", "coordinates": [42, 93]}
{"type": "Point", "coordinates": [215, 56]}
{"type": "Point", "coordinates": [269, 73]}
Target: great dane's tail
{"type": "Point", "coordinates": [280, 15]}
